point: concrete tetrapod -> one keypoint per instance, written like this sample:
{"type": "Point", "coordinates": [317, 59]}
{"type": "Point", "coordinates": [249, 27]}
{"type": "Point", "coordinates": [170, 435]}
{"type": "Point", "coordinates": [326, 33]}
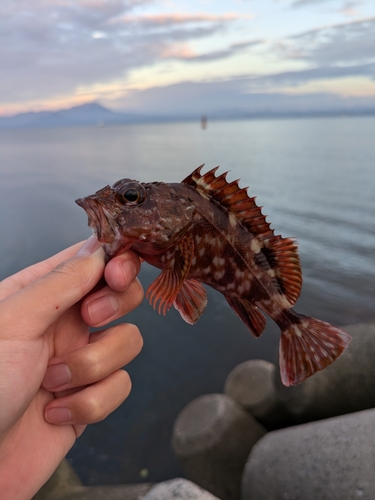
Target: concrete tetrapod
{"type": "Point", "coordinates": [212, 438]}
{"type": "Point", "coordinates": [252, 385]}
{"type": "Point", "coordinates": [333, 459]}
{"type": "Point", "coordinates": [345, 386]}
{"type": "Point", "coordinates": [178, 489]}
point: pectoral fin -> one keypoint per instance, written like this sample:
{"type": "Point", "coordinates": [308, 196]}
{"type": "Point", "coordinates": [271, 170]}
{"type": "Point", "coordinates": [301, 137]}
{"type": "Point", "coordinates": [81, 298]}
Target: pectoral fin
{"type": "Point", "coordinates": [168, 284]}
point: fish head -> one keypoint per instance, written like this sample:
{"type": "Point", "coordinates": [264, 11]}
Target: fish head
{"type": "Point", "coordinates": [150, 217]}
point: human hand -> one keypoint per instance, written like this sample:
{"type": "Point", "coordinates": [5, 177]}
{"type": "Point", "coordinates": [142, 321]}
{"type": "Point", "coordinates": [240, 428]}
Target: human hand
{"type": "Point", "coordinates": [55, 378]}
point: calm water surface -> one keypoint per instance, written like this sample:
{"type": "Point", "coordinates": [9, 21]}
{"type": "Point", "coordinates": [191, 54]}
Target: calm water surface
{"type": "Point", "coordinates": [316, 181]}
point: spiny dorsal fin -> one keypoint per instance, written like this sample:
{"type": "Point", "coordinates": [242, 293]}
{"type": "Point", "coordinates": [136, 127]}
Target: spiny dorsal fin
{"type": "Point", "coordinates": [280, 253]}
{"type": "Point", "coordinates": [230, 196]}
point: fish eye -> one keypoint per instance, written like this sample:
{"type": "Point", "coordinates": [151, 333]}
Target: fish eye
{"type": "Point", "coordinates": [131, 194]}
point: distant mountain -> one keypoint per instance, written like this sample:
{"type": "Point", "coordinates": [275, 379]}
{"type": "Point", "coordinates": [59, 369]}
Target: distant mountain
{"type": "Point", "coordinates": [94, 114]}
{"type": "Point", "coordinates": [86, 114]}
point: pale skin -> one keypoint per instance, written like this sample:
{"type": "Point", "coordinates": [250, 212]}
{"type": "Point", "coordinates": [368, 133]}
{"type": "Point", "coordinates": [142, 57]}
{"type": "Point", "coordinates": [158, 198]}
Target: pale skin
{"type": "Point", "coordinates": [56, 378]}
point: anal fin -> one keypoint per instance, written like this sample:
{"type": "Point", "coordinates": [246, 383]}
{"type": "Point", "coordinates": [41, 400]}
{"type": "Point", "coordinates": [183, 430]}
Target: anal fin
{"type": "Point", "coordinates": [191, 301]}
{"type": "Point", "coordinates": [249, 313]}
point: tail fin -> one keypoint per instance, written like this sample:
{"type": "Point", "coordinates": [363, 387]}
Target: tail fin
{"type": "Point", "coordinates": [309, 346]}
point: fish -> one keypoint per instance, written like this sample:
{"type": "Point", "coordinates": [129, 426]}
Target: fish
{"type": "Point", "coordinates": [207, 230]}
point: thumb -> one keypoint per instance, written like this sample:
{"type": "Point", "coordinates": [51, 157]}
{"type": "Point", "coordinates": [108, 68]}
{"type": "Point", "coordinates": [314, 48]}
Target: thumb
{"type": "Point", "coordinates": [34, 308]}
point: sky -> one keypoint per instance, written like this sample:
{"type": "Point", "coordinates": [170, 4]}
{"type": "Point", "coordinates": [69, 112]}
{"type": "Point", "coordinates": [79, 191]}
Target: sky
{"type": "Point", "coordinates": [180, 56]}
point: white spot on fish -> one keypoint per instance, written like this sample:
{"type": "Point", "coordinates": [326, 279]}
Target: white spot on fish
{"type": "Point", "coordinates": [193, 261]}
{"type": "Point", "coordinates": [208, 239]}
{"type": "Point", "coordinates": [239, 274]}
{"type": "Point", "coordinates": [255, 246]}
{"type": "Point", "coordinates": [271, 273]}
{"type": "Point", "coordinates": [202, 252]}
{"type": "Point", "coordinates": [219, 274]}
{"type": "Point", "coordinates": [283, 302]}
{"type": "Point", "coordinates": [232, 220]}
{"type": "Point", "coordinates": [218, 261]}
{"type": "Point", "coordinates": [198, 239]}
{"type": "Point", "coordinates": [297, 331]}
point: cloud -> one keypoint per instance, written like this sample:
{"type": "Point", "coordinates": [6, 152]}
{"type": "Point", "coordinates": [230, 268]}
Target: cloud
{"type": "Point", "coordinates": [301, 3]}
{"type": "Point", "coordinates": [297, 78]}
{"type": "Point", "coordinates": [184, 52]}
{"type": "Point", "coordinates": [346, 5]}
{"type": "Point", "coordinates": [158, 20]}
{"type": "Point", "coordinates": [341, 44]}
{"type": "Point", "coordinates": [231, 98]}
{"type": "Point", "coordinates": [51, 47]}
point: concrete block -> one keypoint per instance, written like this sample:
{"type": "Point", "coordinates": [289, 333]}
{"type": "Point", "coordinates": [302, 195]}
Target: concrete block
{"type": "Point", "coordinates": [115, 492]}
{"type": "Point", "coordinates": [178, 489]}
{"type": "Point", "coordinates": [331, 459]}
{"type": "Point", "coordinates": [61, 480]}
{"type": "Point", "coordinates": [212, 438]}
{"type": "Point", "coordinates": [346, 386]}
{"type": "Point", "coordinates": [252, 385]}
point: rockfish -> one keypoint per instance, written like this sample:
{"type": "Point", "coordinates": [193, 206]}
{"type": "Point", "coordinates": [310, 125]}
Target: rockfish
{"type": "Point", "coordinates": [208, 230]}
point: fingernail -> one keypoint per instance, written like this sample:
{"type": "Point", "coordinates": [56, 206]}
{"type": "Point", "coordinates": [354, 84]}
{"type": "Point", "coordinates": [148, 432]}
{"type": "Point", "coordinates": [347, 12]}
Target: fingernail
{"type": "Point", "coordinates": [102, 309]}
{"type": "Point", "coordinates": [89, 247]}
{"type": "Point", "coordinates": [58, 415]}
{"type": "Point", "coordinates": [56, 375]}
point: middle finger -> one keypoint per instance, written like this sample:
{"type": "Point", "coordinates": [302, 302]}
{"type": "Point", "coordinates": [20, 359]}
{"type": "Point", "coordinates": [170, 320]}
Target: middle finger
{"type": "Point", "coordinates": [110, 350]}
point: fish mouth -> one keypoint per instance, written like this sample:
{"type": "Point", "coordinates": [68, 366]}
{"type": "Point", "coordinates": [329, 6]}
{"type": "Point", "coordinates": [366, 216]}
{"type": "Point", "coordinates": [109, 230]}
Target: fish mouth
{"type": "Point", "coordinates": [98, 220]}
{"type": "Point", "coordinates": [104, 227]}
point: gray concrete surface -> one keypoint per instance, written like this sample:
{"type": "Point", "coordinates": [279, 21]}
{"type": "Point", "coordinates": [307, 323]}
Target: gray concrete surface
{"type": "Point", "coordinates": [178, 489]}
{"type": "Point", "coordinates": [64, 484]}
{"type": "Point", "coordinates": [63, 479]}
{"type": "Point", "coordinates": [115, 492]}
{"type": "Point", "coordinates": [212, 438]}
{"type": "Point", "coordinates": [345, 386]}
{"type": "Point", "coordinates": [333, 459]}
{"type": "Point", "coordinates": [252, 385]}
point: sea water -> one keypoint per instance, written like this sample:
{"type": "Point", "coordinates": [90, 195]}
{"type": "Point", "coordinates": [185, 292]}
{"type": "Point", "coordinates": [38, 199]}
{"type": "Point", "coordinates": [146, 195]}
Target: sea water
{"type": "Point", "coordinates": [316, 181]}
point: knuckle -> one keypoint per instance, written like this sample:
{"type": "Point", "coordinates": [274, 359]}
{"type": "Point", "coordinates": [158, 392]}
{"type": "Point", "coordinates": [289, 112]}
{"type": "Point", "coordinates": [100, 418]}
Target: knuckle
{"type": "Point", "coordinates": [94, 409]}
{"type": "Point", "coordinates": [91, 364]}
{"type": "Point", "coordinates": [134, 336]}
{"type": "Point", "coordinates": [98, 406]}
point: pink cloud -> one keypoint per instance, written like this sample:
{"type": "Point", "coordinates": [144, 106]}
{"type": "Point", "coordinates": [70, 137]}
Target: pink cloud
{"type": "Point", "coordinates": [181, 18]}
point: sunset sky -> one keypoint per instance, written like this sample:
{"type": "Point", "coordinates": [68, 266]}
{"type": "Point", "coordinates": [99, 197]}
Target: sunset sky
{"type": "Point", "coordinates": [149, 56]}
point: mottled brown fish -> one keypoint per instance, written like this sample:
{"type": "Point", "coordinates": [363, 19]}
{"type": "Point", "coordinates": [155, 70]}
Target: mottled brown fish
{"type": "Point", "coordinates": [208, 230]}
